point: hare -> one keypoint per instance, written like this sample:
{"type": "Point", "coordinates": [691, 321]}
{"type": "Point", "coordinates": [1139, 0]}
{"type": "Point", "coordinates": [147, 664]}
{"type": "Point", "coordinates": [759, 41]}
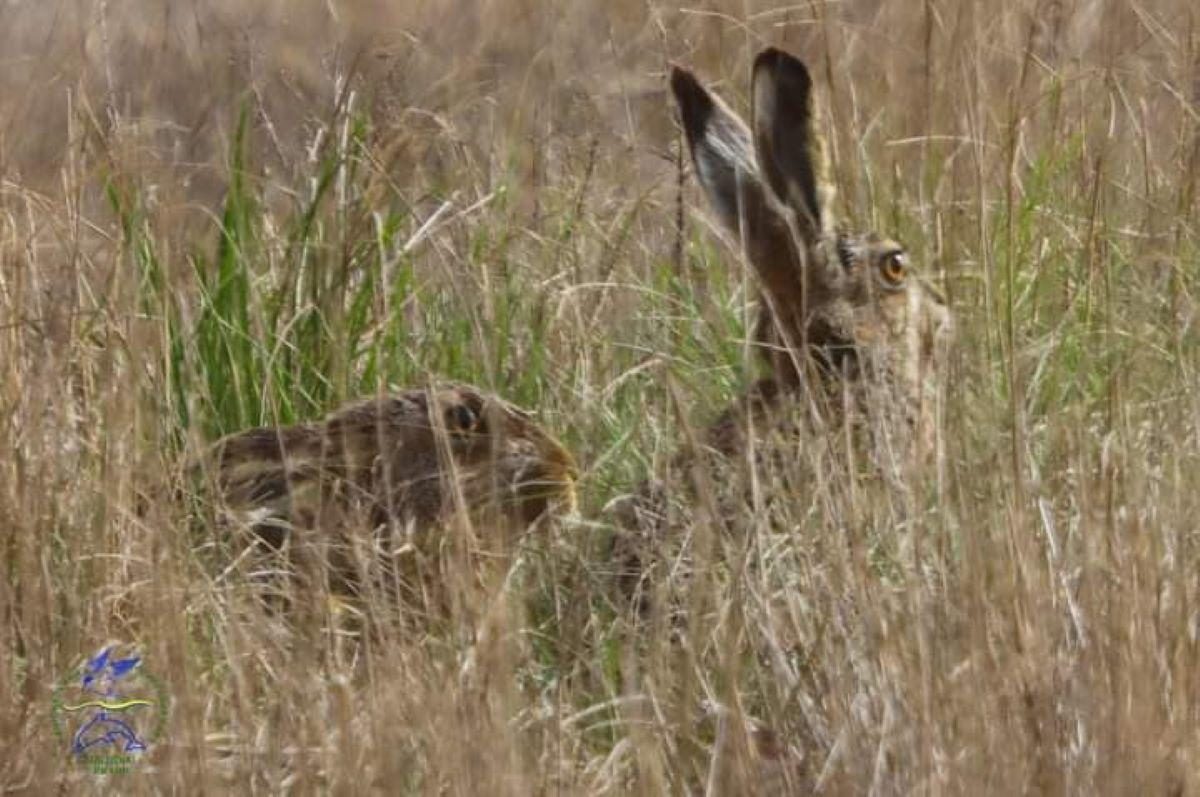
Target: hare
{"type": "Point", "coordinates": [403, 463]}
{"type": "Point", "coordinates": [847, 308]}
{"type": "Point", "coordinates": [849, 333]}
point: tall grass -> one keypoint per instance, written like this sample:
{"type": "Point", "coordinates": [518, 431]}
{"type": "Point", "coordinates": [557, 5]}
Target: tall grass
{"type": "Point", "coordinates": [202, 231]}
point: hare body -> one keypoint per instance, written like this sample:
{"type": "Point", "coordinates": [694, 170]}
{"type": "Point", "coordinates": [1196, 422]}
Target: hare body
{"type": "Point", "coordinates": [399, 465]}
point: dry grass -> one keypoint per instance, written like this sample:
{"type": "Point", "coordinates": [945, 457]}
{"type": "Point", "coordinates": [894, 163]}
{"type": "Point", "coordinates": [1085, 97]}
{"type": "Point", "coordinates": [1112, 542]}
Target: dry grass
{"type": "Point", "coordinates": [1022, 618]}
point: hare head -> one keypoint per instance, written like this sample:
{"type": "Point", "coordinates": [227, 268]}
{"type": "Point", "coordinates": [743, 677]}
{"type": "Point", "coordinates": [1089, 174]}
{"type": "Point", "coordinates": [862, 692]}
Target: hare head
{"type": "Point", "coordinates": [850, 304]}
{"type": "Point", "coordinates": [412, 458]}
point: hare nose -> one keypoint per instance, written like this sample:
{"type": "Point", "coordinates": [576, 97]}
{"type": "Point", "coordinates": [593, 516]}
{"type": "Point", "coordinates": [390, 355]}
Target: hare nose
{"type": "Point", "coordinates": [553, 468]}
{"type": "Point", "coordinates": [566, 468]}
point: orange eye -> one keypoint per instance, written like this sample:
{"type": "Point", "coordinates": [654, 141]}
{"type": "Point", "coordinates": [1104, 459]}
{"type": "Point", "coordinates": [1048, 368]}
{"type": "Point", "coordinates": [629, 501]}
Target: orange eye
{"type": "Point", "coordinates": [895, 267]}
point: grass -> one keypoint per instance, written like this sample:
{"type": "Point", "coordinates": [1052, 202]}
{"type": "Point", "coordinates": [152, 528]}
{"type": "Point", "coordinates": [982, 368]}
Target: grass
{"type": "Point", "coordinates": [200, 232]}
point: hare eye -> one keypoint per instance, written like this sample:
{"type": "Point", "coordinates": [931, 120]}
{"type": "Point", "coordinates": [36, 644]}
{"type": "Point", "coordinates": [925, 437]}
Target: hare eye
{"type": "Point", "coordinates": [461, 418]}
{"type": "Point", "coordinates": [895, 267]}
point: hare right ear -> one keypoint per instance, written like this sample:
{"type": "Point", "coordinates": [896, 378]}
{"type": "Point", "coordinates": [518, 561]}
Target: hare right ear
{"type": "Point", "coordinates": [789, 147]}
{"type": "Point", "coordinates": [723, 156]}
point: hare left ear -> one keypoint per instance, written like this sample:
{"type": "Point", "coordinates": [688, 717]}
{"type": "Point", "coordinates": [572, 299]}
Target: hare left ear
{"type": "Point", "coordinates": [723, 156]}
{"type": "Point", "coordinates": [790, 150]}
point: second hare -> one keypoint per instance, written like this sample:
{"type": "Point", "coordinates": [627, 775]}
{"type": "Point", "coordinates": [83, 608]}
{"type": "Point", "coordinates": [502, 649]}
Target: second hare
{"type": "Point", "coordinates": [383, 479]}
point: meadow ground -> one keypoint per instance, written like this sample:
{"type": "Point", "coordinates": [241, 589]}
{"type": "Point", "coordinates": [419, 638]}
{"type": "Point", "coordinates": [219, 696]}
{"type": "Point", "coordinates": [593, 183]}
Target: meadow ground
{"type": "Point", "coordinates": [221, 214]}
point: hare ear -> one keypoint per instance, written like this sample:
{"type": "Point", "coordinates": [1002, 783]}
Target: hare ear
{"type": "Point", "coordinates": [789, 147]}
{"type": "Point", "coordinates": [723, 155]}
